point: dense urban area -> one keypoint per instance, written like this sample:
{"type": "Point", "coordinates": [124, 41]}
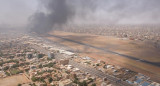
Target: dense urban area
{"type": "Point", "coordinates": [79, 42]}
{"type": "Point", "coordinates": [150, 34]}
{"type": "Point", "coordinates": [44, 63]}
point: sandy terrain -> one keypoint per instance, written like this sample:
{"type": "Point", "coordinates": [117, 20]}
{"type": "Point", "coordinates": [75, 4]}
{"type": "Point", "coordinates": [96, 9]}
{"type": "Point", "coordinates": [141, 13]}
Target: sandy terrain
{"type": "Point", "coordinates": [127, 47]}
{"type": "Point", "coordinates": [14, 80]}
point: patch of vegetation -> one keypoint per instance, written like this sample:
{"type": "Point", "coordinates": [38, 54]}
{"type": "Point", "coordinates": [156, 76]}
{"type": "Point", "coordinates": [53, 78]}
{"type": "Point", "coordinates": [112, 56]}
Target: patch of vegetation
{"type": "Point", "coordinates": [40, 66]}
{"type": "Point", "coordinates": [50, 80]}
{"type": "Point", "coordinates": [40, 73]}
{"type": "Point", "coordinates": [76, 81]}
{"type": "Point", "coordinates": [88, 63]}
{"type": "Point", "coordinates": [49, 59]}
{"type": "Point", "coordinates": [93, 84]}
{"type": "Point", "coordinates": [91, 80]}
{"type": "Point", "coordinates": [84, 83]}
{"type": "Point", "coordinates": [97, 64]}
{"type": "Point", "coordinates": [15, 65]}
{"type": "Point", "coordinates": [15, 61]}
{"type": "Point", "coordinates": [40, 55]}
{"type": "Point", "coordinates": [15, 71]}
{"type": "Point", "coordinates": [5, 68]}
{"type": "Point", "coordinates": [49, 65]}
{"type": "Point", "coordinates": [25, 63]}
{"type": "Point", "coordinates": [8, 74]}
{"type": "Point", "coordinates": [33, 84]}
{"type": "Point", "coordinates": [19, 85]}
{"type": "Point", "coordinates": [26, 70]}
{"type": "Point", "coordinates": [34, 79]}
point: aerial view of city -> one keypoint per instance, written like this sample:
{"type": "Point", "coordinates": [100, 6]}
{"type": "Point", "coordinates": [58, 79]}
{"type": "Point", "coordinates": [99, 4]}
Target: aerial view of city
{"type": "Point", "coordinates": [79, 43]}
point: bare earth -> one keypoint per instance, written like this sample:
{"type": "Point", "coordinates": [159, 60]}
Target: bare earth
{"type": "Point", "coordinates": [14, 80]}
{"type": "Point", "coordinates": [127, 47]}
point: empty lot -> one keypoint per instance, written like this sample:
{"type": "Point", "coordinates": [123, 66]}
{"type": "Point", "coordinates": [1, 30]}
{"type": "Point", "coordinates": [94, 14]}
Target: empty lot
{"type": "Point", "coordinates": [14, 80]}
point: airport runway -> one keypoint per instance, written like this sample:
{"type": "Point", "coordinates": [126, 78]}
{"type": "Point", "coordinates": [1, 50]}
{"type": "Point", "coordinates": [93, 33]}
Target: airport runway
{"type": "Point", "coordinates": [109, 51]}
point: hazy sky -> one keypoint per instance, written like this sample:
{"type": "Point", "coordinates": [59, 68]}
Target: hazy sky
{"type": "Point", "coordinates": [17, 12]}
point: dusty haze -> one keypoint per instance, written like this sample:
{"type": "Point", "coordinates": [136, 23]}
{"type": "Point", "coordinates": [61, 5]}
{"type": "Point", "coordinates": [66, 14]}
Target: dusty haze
{"type": "Point", "coordinates": [42, 15]}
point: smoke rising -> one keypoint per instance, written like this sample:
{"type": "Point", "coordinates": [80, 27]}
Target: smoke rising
{"type": "Point", "coordinates": [60, 12]}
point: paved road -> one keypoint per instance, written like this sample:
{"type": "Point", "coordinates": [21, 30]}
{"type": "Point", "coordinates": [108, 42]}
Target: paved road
{"type": "Point", "coordinates": [100, 74]}
{"type": "Point", "coordinates": [84, 68]}
{"type": "Point", "coordinates": [109, 51]}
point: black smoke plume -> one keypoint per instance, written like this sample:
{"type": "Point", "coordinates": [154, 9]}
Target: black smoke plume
{"type": "Point", "coordinates": [59, 12]}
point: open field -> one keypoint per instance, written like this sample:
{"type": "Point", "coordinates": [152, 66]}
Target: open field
{"type": "Point", "coordinates": [14, 80]}
{"type": "Point", "coordinates": [92, 45]}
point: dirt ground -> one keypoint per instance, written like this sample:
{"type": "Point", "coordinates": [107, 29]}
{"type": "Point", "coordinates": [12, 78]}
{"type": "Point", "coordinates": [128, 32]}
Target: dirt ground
{"type": "Point", "coordinates": [127, 47]}
{"type": "Point", "coordinates": [14, 80]}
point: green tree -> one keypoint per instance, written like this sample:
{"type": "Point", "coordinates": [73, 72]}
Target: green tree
{"type": "Point", "coordinates": [33, 84]}
{"type": "Point", "coordinates": [93, 84]}
{"type": "Point", "coordinates": [97, 64]}
{"type": "Point", "coordinates": [84, 83]}
{"type": "Point", "coordinates": [19, 85]}
{"type": "Point", "coordinates": [15, 65]}
{"type": "Point", "coordinates": [50, 80]}
{"type": "Point", "coordinates": [40, 55]}
{"type": "Point", "coordinates": [8, 74]}
{"type": "Point", "coordinates": [6, 68]}
{"type": "Point", "coordinates": [91, 80]}
{"type": "Point", "coordinates": [34, 79]}
{"type": "Point", "coordinates": [26, 70]}
{"type": "Point", "coordinates": [40, 66]}
{"type": "Point", "coordinates": [41, 79]}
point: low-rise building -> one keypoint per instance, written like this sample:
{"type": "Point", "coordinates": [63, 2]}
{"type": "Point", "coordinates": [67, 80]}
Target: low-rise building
{"type": "Point", "coordinates": [64, 61]}
{"type": "Point", "coordinates": [67, 82]}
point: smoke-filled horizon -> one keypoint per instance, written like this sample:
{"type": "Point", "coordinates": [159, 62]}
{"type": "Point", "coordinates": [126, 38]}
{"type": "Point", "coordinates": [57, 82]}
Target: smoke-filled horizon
{"type": "Point", "coordinates": [59, 12]}
{"type": "Point", "coordinates": [51, 13]}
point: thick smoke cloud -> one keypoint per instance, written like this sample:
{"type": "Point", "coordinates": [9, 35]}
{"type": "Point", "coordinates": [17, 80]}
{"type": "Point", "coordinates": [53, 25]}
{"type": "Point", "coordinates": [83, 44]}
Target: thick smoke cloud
{"type": "Point", "coordinates": [60, 12]}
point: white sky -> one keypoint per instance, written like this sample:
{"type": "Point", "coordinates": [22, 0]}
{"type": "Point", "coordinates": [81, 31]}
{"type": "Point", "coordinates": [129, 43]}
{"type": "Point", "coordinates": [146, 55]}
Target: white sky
{"type": "Point", "coordinates": [16, 12]}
